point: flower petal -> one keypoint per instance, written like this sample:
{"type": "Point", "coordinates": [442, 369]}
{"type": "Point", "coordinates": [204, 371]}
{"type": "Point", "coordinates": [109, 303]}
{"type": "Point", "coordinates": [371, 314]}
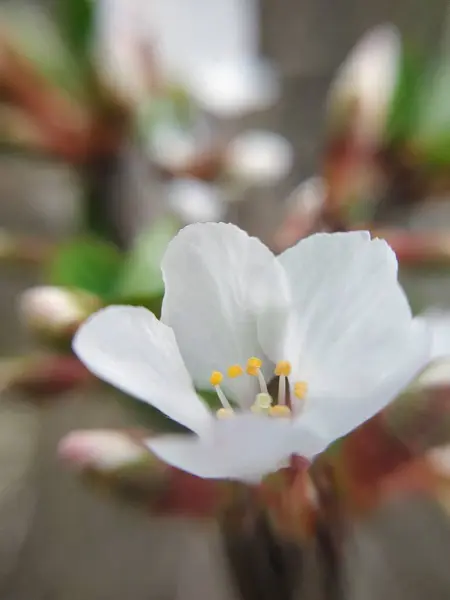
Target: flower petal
{"type": "Point", "coordinates": [218, 281]}
{"type": "Point", "coordinates": [335, 416]}
{"type": "Point", "coordinates": [351, 320]}
{"type": "Point", "coordinates": [245, 447]}
{"type": "Point", "coordinates": [129, 348]}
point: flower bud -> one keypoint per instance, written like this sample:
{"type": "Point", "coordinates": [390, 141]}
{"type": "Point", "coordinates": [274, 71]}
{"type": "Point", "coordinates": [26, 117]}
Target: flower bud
{"type": "Point", "coordinates": [53, 313]}
{"type": "Point", "coordinates": [101, 450]}
{"type": "Point", "coordinates": [362, 92]}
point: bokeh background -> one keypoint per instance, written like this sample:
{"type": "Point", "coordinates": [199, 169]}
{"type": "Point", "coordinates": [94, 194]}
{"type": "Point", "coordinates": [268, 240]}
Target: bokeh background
{"type": "Point", "coordinates": [58, 540]}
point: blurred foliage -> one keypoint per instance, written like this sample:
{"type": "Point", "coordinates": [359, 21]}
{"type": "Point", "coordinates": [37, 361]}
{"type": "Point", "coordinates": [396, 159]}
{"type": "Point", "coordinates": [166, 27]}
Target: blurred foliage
{"type": "Point", "coordinates": [88, 264]}
{"type": "Point", "coordinates": [99, 267]}
{"type": "Point", "coordinates": [140, 276]}
{"type": "Point", "coordinates": [75, 21]}
{"type": "Point", "coordinates": [403, 110]}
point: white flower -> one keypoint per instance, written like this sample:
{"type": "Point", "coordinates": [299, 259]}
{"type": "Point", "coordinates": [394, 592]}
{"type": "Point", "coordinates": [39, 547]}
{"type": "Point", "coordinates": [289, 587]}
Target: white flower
{"type": "Point", "coordinates": [259, 157]}
{"type": "Point", "coordinates": [195, 201]}
{"type": "Point", "coordinates": [210, 47]}
{"type": "Point", "coordinates": [328, 316]}
{"type": "Point", "coordinates": [230, 89]}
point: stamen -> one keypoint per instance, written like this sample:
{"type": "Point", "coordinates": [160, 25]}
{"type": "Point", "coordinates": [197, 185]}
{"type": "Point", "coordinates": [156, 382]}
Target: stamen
{"type": "Point", "coordinates": [262, 383]}
{"type": "Point", "coordinates": [223, 398]}
{"type": "Point", "coordinates": [283, 367]}
{"type": "Point", "coordinates": [253, 366]}
{"type": "Point", "coordinates": [300, 389]}
{"type": "Point", "coordinates": [225, 413]}
{"type": "Point", "coordinates": [215, 380]}
{"type": "Point", "coordinates": [262, 404]}
{"type": "Point", "coordinates": [282, 390]}
{"type": "Point", "coordinates": [235, 371]}
{"type": "Point", "coordinates": [280, 410]}
{"type": "Point", "coordinates": [254, 369]}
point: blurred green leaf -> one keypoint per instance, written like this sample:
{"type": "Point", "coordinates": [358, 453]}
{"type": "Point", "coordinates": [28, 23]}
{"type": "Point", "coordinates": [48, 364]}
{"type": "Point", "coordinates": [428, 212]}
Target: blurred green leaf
{"type": "Point", "coordinates": [148, 416]}
{"type": "Point", "coordinates": [403, 110]}
{"type": "Point", "coordinates": [35, 35]}
{"type": "Point", "coordinates": [152, 303]}
{"type": "Point", "coordinates": [75, 20]}
{"type": "Point", "coordinates": [172, 111]}
{"type": "Point", "coordinates": [432, 129]}
{"type": "Point", "coordinates": [141, 278]}
{"type": "Point", "coordinates": [88, 264]}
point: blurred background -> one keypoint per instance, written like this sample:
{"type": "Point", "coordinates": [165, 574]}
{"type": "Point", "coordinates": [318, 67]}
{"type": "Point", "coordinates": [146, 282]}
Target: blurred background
{"type": "Point", "coordinates": [123, 120]}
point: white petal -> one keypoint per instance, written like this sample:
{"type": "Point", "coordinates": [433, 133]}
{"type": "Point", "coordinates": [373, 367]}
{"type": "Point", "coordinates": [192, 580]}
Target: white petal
{"type": "Point", "coordinates": [244, 447]}
{"type": "Point", "coordinates": [439, 323]}
{"type": "Point", "coordinates": [351, 320]}
{"type": "Point", "coordinates": [129, 348]}
{"type": "Point", "coordinates": [333, 416]}
{"type": "Point", "coordinates": [218, 281]}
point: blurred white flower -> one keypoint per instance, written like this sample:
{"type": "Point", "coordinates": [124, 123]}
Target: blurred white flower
{"type": "Point", "coordinates": [174, 148]}
{"type": "Point", "coordinates": [367, 80]}
{"type": "Point", "coordinates": [259, 157]}
{"type": "Point", "coordinates": [232, 89]}
{"type": "Point", "coordinates": [102, 450]}
{"type": "Point", "coordinates": [208, 46]}
{"type": "Point", "coordinates": [55, 309]}
{"type": "Point", "coordinates": [438, 322]}
{"type": "Point", "coordinates": [328, 317]}
{"type": "Point", "coordinates": [123, 49]}
{"type": "Point", "coordinates": [303, 208]}
{"type": "Point", "coordinates": [195, 201]}
{"type": "Point", "coordinates": [438, 372]}
{"type": "Point", "coordinates": [439, 458]}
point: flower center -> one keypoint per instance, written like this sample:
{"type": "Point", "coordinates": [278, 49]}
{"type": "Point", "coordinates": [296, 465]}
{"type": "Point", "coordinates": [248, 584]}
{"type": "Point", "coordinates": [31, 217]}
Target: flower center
{"type": "Point", "coordinates": [264, 403]}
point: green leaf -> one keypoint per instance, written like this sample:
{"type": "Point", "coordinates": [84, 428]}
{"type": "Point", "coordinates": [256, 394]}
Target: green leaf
{"type": "Point", "coordinates": [87, 264]}
{"type": "Point", "coordinates": [403, 110]}
{"type": "Point", "coordinates": [75, 20]}
{"type": "Point", "coordinates": [152, 303]}
{"type": "Point", "coordinates": [141, 276]}
{"type": "Point", "coordinates": [148, 416]}
{"type": "Point", "coordinates": [432, 130]}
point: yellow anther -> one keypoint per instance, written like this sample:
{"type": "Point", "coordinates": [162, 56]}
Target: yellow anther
{"type": "Point", "coordinates": [300, 389]}
{"type": "Point", "coordinates": [235, 371]}
{"type": "Point", "coordinates": [216, 378]}
{"type": "Point", "coordinates": [225, 413]}
{"type": "Point", "coordinates": [253, 366]}
{"type": "Point", "coordinates": [254, 362]}
{"type": "Point", "coordinates": [283, 368]}
{"type": "Point", "coordinates": [280, 410]}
